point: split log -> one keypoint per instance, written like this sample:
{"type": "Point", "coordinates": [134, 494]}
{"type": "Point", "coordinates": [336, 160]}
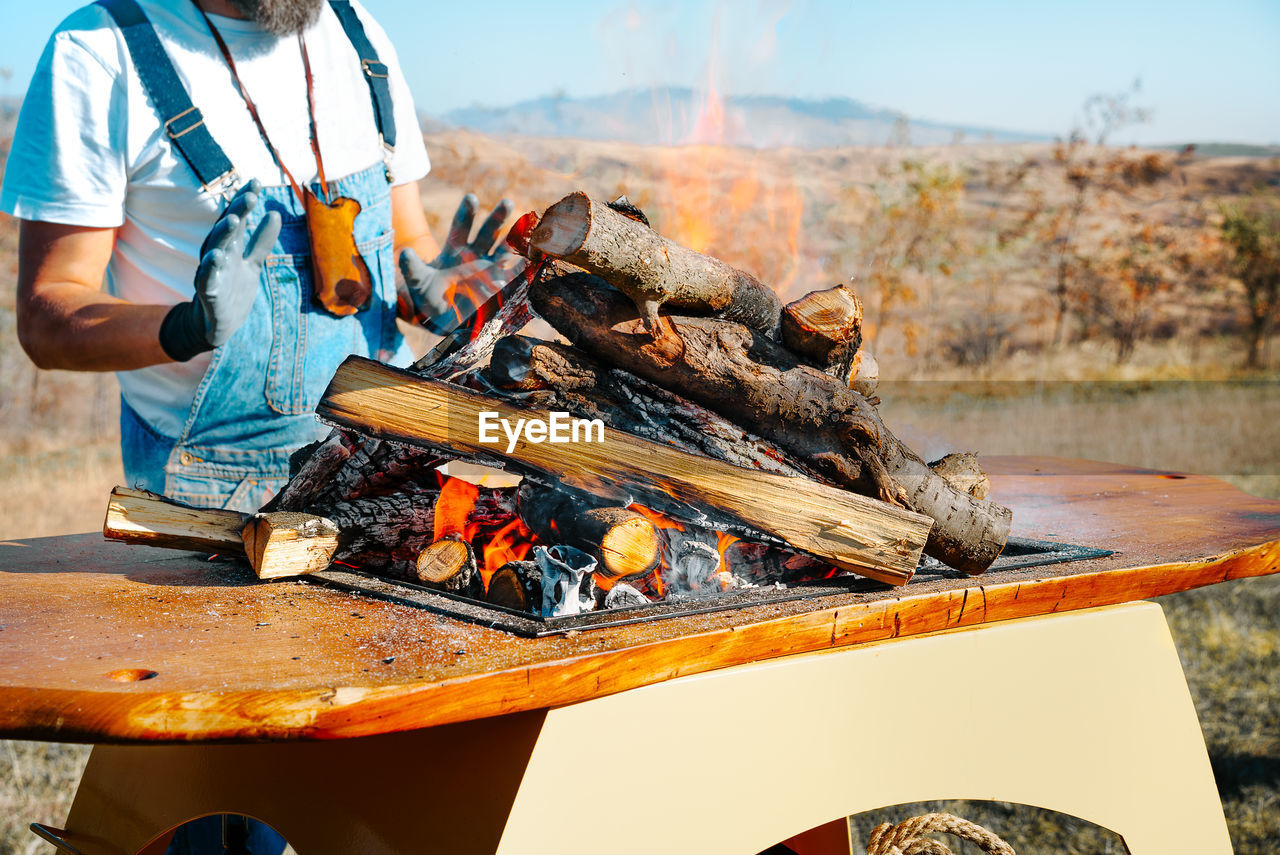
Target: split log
{"type": "Point", "coordinates": [623, 543]}
{"type": "Point", "coordinates": [826, 328]}
{"type": "Point", "coordinates": [649, 268]}
{"type": "Point", "coordinates": [753, 381]}
{"type": "Point", "coordinates": [555, 377]}
{"type": "Point", "coordinates": [450, 565]}
{"type": "Point", "coordinates": [289, 543]}
{"type": "Point", "coordinates": [853, 532]}
{"type": "Point", "coordinates": [517, 585]}
{"type": "Point", "coordinates": [140, 516]}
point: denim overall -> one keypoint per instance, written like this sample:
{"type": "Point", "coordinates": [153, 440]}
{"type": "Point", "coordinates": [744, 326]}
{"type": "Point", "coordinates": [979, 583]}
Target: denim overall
{"type": "Point", "coordinates": [256, 402]}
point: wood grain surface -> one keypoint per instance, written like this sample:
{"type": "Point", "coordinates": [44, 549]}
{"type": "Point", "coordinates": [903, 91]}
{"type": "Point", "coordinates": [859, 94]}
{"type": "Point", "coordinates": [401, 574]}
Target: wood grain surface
{"type": "Point", "coordinates": [103, 641]}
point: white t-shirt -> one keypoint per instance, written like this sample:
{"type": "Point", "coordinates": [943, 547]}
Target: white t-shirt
{"type": "Point", "coordinates": [90, 150]}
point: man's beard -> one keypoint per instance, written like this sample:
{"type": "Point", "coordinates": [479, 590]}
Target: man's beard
{"type": "Point", "coordinates": [281, 17]}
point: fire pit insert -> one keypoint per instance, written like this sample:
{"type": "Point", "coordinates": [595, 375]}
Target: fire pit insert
{"type": "Point", "coordinates": [1020, 553]}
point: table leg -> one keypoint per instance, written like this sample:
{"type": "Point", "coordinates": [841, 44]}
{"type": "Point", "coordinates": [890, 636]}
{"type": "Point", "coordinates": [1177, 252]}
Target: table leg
{"type": "Point", "coordinates": [1086, 713]}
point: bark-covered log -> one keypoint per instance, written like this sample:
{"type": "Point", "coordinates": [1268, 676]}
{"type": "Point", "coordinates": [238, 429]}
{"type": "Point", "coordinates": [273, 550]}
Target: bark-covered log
{"type": "Point", "coordinates": [450, 565]}
{"type": "Point", "coordinates": [871, 538]}
{"type": "Point", "coordinates": [826, 328]}
{"type": "Point", "coordinates": [746, 377]}
{"type": "Point", "coordinates": [517, 585]}
{"type": "Point", "coordinates": [556, 377]}
{"type": "Point", "coordinates": [504, 313]}
{"type": "Point", "coordinates": [379, 468]}
{"type": "Point", "coordinates": [315, 466]}
{"type": "Point", "coordinates": [650, 269]}
{"type": "Point", "coordinates": [623, 542]}
{"type": "Point", "coordinates": [385, 531]}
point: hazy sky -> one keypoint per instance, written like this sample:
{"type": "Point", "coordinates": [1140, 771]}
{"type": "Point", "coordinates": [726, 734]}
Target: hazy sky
{"type": "Point", "coordinates": [1209, 71]}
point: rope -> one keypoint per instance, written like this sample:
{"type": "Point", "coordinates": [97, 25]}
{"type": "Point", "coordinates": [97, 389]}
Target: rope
{"type": "Point", "coordinates": [905, 837]}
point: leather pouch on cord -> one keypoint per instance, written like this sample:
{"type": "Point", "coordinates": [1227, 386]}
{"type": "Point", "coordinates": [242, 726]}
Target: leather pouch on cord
{"type": "Point", "coordinates": [343, 285]}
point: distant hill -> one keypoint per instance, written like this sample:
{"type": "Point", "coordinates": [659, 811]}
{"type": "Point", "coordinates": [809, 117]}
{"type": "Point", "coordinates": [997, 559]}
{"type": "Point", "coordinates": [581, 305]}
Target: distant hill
{"type": "Point", "coordinates": [760, 121]}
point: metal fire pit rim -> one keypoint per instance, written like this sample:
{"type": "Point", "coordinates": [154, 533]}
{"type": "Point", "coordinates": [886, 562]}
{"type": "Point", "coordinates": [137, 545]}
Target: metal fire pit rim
{"type": "Point", "coordinates": [1020, 553]}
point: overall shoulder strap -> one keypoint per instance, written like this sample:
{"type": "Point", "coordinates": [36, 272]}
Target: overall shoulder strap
{"type": "Point", "coordinates": [375, 71]}
{"type": "Point", "coordinates": [183, 121]}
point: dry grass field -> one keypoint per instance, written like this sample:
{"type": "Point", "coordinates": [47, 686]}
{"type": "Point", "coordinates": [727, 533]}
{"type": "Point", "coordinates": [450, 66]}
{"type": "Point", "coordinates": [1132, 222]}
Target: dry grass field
{"type": "Point", "coordinates": [953, 250]}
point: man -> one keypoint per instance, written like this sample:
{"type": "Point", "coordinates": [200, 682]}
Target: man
{"type": "Point", "coordinates": [212, 194]}
{"type": "Point", "coordinates": [172, 151]}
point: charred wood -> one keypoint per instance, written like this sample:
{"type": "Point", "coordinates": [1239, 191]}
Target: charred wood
{"type": "Point", "coordinates": [554, 376]}
{"type": "Point", "coordinates": [517, 585]}
{"type": "Point", "coordinates": [750, 379]}
{"type": "Point", "coordinates": [623, 543]}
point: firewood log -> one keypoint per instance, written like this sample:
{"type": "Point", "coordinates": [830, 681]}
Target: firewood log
{"type": "Point", "coordinates": [289, 543]}
{"type": "Point", "coordinates": [450, 565]}
{"type": "Point", "coordinates": [623, 542]}
{"type": "Point", "coordinates": [649, 268]}
{"type": "Point", "coordinates": [556, 377]}
{"type": "Point", "coordinates": [825, 327]}
{"type": "Point", "coordinates": [311, 467]}
{"type": "Point", "coordinates": [347, 466]}
{"type": "Point", "coordinates": [140, 516]}
{"type": "Point", "coordinates": [854, 533]}
{"type": "Point", "coordinates": [750, 379]}
{"type": "Point", "coordinates": [516, 585]}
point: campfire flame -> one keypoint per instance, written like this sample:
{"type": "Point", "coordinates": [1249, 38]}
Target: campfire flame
{"type": "Point", "coordinates": [743, 205]}
{"type": "Point", "coordinates": [457, 500]}
{"type": "Point", "coordinates": [512, 542]}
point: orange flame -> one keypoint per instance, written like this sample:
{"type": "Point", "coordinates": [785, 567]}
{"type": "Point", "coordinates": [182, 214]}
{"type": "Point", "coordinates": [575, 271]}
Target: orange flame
{"type": "Point", "coordinates": [457, 499]}
{"type": "Point", "coordinates": [740, 204]}
{"type": "Point", "coordinates": [723, 542]}
{"type": "Point", "coordinates": [512, 542]}
{"type": "Point", "coordinates": [660, 521]}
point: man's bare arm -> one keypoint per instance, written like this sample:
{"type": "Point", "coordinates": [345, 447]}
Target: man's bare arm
{"type": "Point", "coordinates": [64, 318]}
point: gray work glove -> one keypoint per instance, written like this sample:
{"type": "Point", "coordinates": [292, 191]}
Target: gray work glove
{"type": "Point", "coordinates": [226, 280]}
{"type": "Point", "coordinates": [464, 275]}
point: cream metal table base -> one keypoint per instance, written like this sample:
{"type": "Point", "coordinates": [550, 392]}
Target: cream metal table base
{"type": "Point", "coordinates": [1086, 713]}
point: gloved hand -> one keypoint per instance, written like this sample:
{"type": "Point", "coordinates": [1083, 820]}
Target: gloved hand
{"type": "Point", "coordinates": [226, 280]}
{"type": "Point", "coordinates": [463, 275]}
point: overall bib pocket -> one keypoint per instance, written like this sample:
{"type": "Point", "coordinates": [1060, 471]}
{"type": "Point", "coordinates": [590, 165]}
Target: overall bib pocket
{"type": "Point", "coordinates": [307, 342]}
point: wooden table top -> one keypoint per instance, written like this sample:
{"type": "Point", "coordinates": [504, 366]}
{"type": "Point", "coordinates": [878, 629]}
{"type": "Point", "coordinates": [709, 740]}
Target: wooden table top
{"type": "Point", "coordinates": [235, 659]}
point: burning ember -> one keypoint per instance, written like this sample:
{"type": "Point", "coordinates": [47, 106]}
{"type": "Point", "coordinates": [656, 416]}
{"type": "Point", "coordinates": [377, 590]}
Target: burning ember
{"type": "Point", "coordinates": [484, 544]}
